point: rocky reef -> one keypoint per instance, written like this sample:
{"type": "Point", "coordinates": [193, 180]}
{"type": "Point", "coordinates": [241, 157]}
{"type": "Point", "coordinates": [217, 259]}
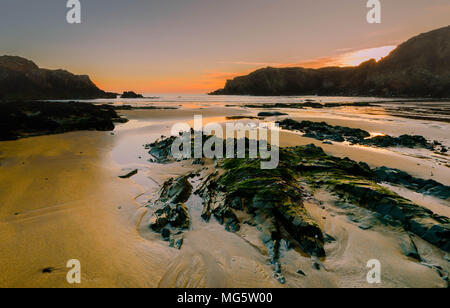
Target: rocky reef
{"type": "Point", "coordinates": [358, 184]}
{"type": "Point", "coordinates": [417, 68]}
{"type": "Point", "coordinates": [306, 104]}
{"type": "Point", "coordinates": [131, 94]}
{"type": "Point", "coordinates": [172, 216]}
{"type": "Point", "coordinates": [239, 192]}
{"type": "Point", "coordinates": [323, 131]}
{"type": "Point", "coordinates": [22, 79]}
{"type": "Point", "coordinates": [25, 119]}
{"type": "Point", "coordinates": [426, 187]}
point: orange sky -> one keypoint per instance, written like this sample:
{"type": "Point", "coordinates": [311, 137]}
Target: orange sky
{"type": "Point", "coordinates": [194, 46]}
{"type": "Point", "coordinates": [216, 80]}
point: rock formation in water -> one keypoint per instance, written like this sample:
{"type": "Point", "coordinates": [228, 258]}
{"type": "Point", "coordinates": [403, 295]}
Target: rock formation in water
{"type": "Point", "coordinates": [22, 79]}
{"type": "Point", "coordinates": [419, 67]}
{"type": "Point", "coordinates": [26, 119]}
{"type": "Point", "coordinates": [325, 132]}
{"type": "Point", "coordinates": [239, 192]}
{"type": "Point", "coordinates": [131, 94]}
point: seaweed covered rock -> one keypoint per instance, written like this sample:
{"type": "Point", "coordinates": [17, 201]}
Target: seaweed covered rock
{"type": "Point", "coordinates": [161, 149]}
{"type": "Point", "coordinates": [271, 114]}
{"type": "Point", "coordinates": [173, 214]}
{"type": "Point", "coordinates": [131, 94]}
{"type": "Point", "coordinates": [25, 119]}
{"type": "Point", "coordinates": [176, 190]}
{"type": "Point", "coordinates": [406, 141]}
{"type": "Point", "coordinates": [323, 131]}
{"type": "Point", "coordinates": [357, 183]}
{"type": "Point", "coordinates": [272, 196]}
{"type": "Point", "coordinates": [426, 187]}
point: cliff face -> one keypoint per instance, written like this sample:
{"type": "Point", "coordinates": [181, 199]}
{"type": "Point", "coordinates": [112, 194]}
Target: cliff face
{"type": "Point", "coordinates": [21, 79]}
{"type": "Point", "coordinates": [419, 67]}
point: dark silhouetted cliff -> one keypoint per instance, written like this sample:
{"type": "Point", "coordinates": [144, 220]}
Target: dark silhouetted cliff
{"type": "Point", "coordinates": [419, 67]}
{"type": "Point", "coordinates": [22, 79]}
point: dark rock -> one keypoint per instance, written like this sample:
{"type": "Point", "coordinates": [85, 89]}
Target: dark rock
{"type": "Point", "coordinates": [365, 226]}
{"type": "Point", "coordinates": [406, 141]}
{"type": "Point", "coordinates": [426, 187]}
{"type": "Point", "coordinates": [175, 215]}
{"type": "Point", "coordinates": [198, 161]}
{"type": "Point", "coordinates": [409, 248]}
{"type": "Point", "coordinates": [414, 69]}
{"type": "Point", "coordinates": [271, 114]}
{"type": "Point", "coordinates": [158, 222]}
{"type": "Point", "coordinates": [26, 119]}
{"type": "Point", "coordinates": [176, 241]}
{"type": "Point", "coordinates": [324, 132]}
{"type": "Point", "coordinates": [439, 235]}
{"type": "Point", "coordinates": [161, 150]}
{"type": "Point", "coordinates": [165, 233]}
{"type": "Point", "coordinates": [129, 174]}
{"type": "Point", "coordinates": [300, 272]}
{"type": "Point", "coordinates": [176, 190]}
{"type": "Point", "coordinates": [48, 270]}
{"type": "Point", "coordinates": [21, 79]}
{"type": "Point", "coordinates": [232, 226]}
{"type": "Point", "coordinates": [131, 94]}
{"type": "Point", "coordinates": [329, 239]}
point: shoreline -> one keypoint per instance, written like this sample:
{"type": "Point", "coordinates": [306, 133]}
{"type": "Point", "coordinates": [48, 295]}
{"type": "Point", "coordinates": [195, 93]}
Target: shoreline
{"type": "Point", "coordinates": [85, 211]}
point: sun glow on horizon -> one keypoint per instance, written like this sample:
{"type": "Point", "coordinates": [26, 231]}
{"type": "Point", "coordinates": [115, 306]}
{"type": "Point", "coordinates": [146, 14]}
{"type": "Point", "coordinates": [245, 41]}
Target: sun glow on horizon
{"type": "Point", "coordinates": [209, 81]}
{"type": "Point", "coordinates": [355, 58]}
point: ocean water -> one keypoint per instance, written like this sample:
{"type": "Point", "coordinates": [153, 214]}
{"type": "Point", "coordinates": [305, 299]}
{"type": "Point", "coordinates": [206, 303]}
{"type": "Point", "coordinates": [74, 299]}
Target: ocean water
{"type": "Point", "coordinates": [204, 99]}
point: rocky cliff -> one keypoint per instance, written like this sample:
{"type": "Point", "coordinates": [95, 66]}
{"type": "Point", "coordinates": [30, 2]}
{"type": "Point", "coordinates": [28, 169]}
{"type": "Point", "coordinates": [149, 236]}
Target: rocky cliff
{"type": "Point", "coordinates": [22, 79]}
{"type": "Point", "coordinates": [419, 67]}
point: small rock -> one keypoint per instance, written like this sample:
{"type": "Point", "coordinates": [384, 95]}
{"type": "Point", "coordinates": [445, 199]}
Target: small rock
{"type": "Point", "coordinates": [129, 175]}
{"type": "Point", "coordinates": [300, 272]}
{"type": "Point", "coordinates": [328, 238]}
{"type": "Point", "coordinates": [277, 267]}
{"type": "Point", "coordinates": [48, 270]}
{"type": "Point", "coordinates": [280, 278]}
{"type": "Point", "coordinates": [165, 233]}
{"type": "Point", "coordinates": [176, 241]}
{"type": "Point", "coordinates": [365, 226]}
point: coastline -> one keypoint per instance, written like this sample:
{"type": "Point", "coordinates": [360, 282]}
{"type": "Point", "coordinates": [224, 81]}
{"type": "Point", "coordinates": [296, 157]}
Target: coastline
{"type": "Point", "coordinates": [85, 211]}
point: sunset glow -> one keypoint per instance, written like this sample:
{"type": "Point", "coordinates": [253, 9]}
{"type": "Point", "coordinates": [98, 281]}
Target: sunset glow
{"type": "Point", "coordinates": [357, 57]}
{"type": "Point", "coordinates": [187, 47]}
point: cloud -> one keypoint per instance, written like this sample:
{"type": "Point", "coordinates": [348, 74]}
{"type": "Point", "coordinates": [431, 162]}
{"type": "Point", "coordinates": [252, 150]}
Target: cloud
{"type": "Point", "coordinates": [345, 57]}
{"type": "Point", "coordinates": [252, 63]}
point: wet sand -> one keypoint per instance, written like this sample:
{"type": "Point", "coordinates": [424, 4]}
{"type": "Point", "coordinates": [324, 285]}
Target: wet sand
{"type": "Point", "coordinates": [61, 199]}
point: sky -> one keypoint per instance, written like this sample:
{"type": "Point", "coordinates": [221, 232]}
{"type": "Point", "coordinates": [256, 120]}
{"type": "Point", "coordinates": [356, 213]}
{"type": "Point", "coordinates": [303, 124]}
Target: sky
{"type": "Point", "coordinates": [194, 46]}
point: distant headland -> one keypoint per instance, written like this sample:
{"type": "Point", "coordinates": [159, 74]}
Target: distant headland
{"type": "Point", "coordinates": [419, 67]}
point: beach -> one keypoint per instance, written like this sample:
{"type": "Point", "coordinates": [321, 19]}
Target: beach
{"type": "Point", "coordinates": [61, 198]}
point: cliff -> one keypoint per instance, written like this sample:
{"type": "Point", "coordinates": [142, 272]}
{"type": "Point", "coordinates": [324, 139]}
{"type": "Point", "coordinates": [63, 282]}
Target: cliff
{"type": "Point", "coordinates": [22, 79]}
{"type": "Point", "coordinates": [419, 67]}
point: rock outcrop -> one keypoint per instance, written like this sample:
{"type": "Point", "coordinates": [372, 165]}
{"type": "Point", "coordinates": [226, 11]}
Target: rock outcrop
{"type": "Point", "coordinates": [417, 68]}
{"type": "Point", "coordinates": [131, 94]}
{"type": "Point", "coordinates": [323, 131]}
{"type": "Point", "coordinates": [26, 119]}
{"type": "Point", "coordinates": [426, 187]}
{"type": "Point", "coordinates": [22, 79]}
{"type": "Point", "coordinates": [172, 215]}
{"type": "Point", "coordinates": [272, 201]}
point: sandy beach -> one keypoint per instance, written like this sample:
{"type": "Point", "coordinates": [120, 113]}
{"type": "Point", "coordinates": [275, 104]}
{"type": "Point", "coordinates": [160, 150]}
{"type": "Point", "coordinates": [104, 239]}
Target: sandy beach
{"type": "Point", "coordinates": [61, 199]}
